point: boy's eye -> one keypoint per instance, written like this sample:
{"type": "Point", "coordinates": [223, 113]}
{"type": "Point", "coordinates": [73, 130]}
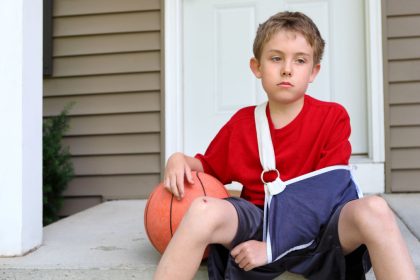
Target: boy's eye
{"type": "Point", "coordinates": [275, 58]}
{"type": "Point", "coordinates": [300, 61]}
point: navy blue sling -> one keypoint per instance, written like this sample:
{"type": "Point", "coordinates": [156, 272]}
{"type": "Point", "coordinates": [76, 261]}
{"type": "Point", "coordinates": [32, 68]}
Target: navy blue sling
{"type": "Point", "coordinates": [295, 211]}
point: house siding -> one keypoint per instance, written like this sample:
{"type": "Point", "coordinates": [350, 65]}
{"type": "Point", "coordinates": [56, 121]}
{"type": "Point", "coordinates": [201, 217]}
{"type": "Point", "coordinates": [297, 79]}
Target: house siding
{"type": "Point", "coordinates": [107, 60]}
{"type": "Point", "coordinates": [402, 43]}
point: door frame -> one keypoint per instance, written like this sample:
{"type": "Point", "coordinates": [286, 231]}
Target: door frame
{"type": "Point", "coordinates": [369, 170]}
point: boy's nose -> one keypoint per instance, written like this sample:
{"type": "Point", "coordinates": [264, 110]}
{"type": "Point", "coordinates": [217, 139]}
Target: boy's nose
{"type": "Point", "coordinates": [286, 70]}
{"type": "Point", "coordinates": [286, 73]}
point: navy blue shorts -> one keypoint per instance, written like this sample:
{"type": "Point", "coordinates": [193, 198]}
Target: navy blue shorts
{"type": "Point", "coordinates": [323, 260]}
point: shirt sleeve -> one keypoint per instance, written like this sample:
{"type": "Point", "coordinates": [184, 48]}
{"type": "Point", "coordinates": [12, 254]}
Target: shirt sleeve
{"type": "Point", "coordinates": [337, 148]}
{"type": "Point", "coordinates": [215, 159]}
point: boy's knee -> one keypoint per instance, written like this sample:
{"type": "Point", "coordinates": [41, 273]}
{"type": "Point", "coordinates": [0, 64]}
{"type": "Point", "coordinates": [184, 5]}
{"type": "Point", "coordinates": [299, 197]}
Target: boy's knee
{"type": "Point", "coordinates": [374, 212]}
{"type": "Point", "coordinates": [202, 210]}
{"type": "Point", "coordinates": [377, 207]}
{"type": "Point", "coordinates": [198, 207]}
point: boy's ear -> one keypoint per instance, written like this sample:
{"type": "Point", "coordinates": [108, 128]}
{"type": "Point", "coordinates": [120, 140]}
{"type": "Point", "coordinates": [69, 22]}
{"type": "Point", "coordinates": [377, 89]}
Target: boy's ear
{"type": "Point", "coordinates": [255, 67]}
{"type": "Point", "coordinates": [315, 72]}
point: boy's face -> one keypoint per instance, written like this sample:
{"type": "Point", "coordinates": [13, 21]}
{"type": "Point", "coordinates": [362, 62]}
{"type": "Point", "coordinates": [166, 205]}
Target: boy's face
{"type": "Point", "coordinates": [286, 67]}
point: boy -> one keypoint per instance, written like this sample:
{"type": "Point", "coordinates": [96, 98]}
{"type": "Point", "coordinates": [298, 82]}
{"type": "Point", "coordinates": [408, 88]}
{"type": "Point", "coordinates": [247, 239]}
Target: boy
{"type": "Point", "coordinates": [307, 135]}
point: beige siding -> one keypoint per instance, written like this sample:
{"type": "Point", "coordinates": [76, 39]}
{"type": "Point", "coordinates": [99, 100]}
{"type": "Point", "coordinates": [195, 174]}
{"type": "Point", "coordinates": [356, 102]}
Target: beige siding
{"type": "Point", "coordinates": [107, 64]}
{"type": "Point", "coordinates": [107, 61]}
{"type": "Point", "coordinates": [107, 23]}
{"type": "Point", "coordinates": [402, 42]}
{"type": "Point", "coordinates": [112, 83]}
{"type": "Point", "coordinates": [109, 43]}
{"type": "Point", "coordinates": [82, 7]}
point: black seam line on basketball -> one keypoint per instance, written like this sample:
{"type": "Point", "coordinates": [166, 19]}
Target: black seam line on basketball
{"type": "Point", "coordinates": [201, 183]}
{"type": "Point", "coordinates": [170, 216]}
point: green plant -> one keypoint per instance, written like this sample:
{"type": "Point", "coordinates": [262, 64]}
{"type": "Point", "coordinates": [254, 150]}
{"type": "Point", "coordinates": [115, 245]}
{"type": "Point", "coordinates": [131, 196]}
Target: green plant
{"type": "Point", "coordinates": [56, 166]}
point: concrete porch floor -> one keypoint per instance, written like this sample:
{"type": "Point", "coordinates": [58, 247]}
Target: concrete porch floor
{"type": "Point", "coordinates": [109, 242]}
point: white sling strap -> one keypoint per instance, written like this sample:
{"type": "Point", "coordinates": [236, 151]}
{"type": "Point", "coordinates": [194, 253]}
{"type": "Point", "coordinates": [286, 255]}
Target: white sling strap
{"type": "Point", "coordinates": [268, 162]}
{"type": "Point", "coordinates": [266, 149]}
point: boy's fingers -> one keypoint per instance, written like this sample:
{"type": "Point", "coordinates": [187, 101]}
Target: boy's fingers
{"type": "Point", "coordinates": [180, 186]}
{"type": "Point", "coordinates": [248, 267]}
{"type": "Point", "coordinates": [174, 188]}
{"type": "Point", "coordinates": [241, 260]}
{"type": "Point", "coordinates": [166, 183]}
{"type": "Point", "coordinates": [188, 174]}
{"type": "Point", "coordinates": [235, 251]}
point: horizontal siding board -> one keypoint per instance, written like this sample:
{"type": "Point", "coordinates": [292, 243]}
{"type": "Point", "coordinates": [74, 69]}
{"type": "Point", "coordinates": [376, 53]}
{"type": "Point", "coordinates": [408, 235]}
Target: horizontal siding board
{"type": "Point", "coordinates": [118, 164]}
{"type": "Point", "coordinates": [400, 93]}
{"type": "Point", "coordinates": [404, 115]}
{"type": "Point", "coordinates": [110, 43]}
{"type": "Point", "coordinates": [404, 137]}
{"type": "Point", "coordinates": [106, 64]}
{"type": "Point", "coordinates": [72, 205]}
{"type": "Point", "coordinates": [406, 48]}
{"type": "Point", "coordinates": [113, 144]}
{"type": "Point", "coordinates": [405, 158]}
{"type": "Point", "coordinates": [102, 84]}
{"type": "Point", "coordinates": [113, 187]}
{"type": "Point", "coordinates": [403, 26]}
{"type": "Point", "coordinates": [114, 124]}
{"type": "Point", "coordinates": [401, 71]}
{"type": "Point", "coordinates": [402, 7]}
{"type": "Point", "coordinates": [106, 24]}
{"type": "Point", "coordinates": [103, 104]}
{"type": "Point", "coordinates": [80, 7]}
{"type": "Point", "coordinates": [405, 180]}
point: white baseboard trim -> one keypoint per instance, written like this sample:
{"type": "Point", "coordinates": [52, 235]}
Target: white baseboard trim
{"type": "Point", "coordinates": [370, 176]}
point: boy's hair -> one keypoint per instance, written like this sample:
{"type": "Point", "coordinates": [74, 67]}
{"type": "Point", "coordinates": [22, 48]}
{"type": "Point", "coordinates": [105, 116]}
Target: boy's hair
{"type": "Point", "coordinates": [289, 21]}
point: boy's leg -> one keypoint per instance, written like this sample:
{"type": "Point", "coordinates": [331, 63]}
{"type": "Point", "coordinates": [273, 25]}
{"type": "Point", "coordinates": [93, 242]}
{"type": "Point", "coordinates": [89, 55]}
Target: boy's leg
{"type": "Point", "coordinates": [371, 222]}
{"type": "Point", "coordinates": [209, 220]}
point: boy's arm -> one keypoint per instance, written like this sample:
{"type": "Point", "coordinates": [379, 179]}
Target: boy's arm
{"type": "Point", "coordinates": [179, 167]}
{"type": "Point", "coordinates": [337, 150]}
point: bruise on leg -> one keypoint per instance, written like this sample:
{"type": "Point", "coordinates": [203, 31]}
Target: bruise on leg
{"type": "Point", "coordinates": [204, 200]}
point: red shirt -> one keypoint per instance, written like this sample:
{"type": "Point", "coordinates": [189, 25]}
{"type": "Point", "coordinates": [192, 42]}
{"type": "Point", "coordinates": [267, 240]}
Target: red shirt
{"type": "Point", "coordinates": [316, 138]}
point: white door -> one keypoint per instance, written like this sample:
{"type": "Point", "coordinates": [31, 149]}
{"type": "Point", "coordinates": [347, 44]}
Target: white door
{"type": "Point", "coordinates": [218, 37]}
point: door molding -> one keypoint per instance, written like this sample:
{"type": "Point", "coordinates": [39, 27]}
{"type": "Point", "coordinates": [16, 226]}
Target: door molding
{"type": "Point", "coordinates": [174, 99]}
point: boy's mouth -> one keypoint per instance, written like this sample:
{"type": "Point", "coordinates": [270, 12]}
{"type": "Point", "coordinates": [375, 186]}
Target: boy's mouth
{"type": "Point", "coordinates": [285, 84]}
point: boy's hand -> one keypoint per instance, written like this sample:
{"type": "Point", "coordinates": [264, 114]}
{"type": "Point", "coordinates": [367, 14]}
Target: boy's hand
{"type": "Point", "coordinates": [250, 254]}
{"type": "Point", "coordinates": [177, 168]}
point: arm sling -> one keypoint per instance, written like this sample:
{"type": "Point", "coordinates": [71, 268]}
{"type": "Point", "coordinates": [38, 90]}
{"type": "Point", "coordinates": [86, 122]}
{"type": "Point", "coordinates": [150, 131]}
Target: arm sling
{"type": "Point", "coordinates": [296, 210]}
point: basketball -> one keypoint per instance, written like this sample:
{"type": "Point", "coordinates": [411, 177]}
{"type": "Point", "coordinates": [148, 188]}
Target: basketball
{"type": "Point", "coordinates": [164, 211]}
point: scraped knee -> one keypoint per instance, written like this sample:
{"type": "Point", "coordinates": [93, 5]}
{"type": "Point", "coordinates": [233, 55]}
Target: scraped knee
{"type": "Point", "coordinates": [203, 213]}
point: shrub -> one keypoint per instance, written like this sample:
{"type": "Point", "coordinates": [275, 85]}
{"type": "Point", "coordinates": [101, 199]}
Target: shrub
{"type": "Point", "coordinates": [56, 166]}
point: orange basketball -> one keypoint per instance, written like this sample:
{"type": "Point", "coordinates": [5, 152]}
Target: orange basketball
{"type": "Point", "coordinates": [164, 211]}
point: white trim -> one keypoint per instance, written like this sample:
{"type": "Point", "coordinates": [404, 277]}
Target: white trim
{"type": "Point", "coordinates": [174, 96]}
{"type": "Point", "coordinates": [316, 173]}
{"type": "Point", "coordinates": [369, 175]}
{"type": "Point", "coordinates": [298, 247]}
{"type": "Point", "coordinates": [268, 240]}
{"type": "Point", "coordinates": [21, 122]}
{"type": "Point", "coordinates": [174, 106]}
{"type": "Point", "coordinates": [375, 89]}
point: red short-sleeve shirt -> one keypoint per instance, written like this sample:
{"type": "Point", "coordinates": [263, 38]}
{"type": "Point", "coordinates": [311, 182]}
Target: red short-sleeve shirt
{"type": "Point", "coordinates": [316, 138]}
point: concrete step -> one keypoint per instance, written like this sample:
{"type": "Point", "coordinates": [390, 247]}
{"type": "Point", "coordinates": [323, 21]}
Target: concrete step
{"type": "Point", "coordinates": [104, 242]}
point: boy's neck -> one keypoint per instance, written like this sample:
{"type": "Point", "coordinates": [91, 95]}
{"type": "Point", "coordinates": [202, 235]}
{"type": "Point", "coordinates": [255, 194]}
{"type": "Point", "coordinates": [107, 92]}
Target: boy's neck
{"type": "Point", "coordinates": [283, 114]}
